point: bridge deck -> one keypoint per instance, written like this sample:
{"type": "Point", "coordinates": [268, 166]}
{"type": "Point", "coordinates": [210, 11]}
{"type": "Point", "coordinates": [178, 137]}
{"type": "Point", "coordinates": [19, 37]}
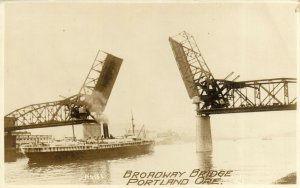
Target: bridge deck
{"type": "Point", "coordinates": [48, 124]}
{"type": "Point", "coordinates": [248, 109]}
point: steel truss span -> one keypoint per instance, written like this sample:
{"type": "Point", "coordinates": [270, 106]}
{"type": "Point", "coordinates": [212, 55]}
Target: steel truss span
{"type": "Point", "coordinates": [84, 107]}
{"type": "Point", "coordinates": [217, 96]}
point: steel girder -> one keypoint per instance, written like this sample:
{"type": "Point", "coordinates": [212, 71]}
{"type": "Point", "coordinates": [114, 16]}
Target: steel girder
{"type": "Point", "coordinates": [84, 107]}
{"type": "Point", "coordinates": [215, 96]}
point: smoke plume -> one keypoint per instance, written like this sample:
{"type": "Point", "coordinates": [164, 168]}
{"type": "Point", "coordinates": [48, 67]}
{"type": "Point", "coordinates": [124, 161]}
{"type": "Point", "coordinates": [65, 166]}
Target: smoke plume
{"type": "Point", "coordinates": [96, 103]}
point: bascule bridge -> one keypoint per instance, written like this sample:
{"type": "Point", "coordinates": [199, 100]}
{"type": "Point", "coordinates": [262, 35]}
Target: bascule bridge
{"type": "Point", "coordinates": [86, 106]}
{"type": "Point", "coordinates": [222, 96]}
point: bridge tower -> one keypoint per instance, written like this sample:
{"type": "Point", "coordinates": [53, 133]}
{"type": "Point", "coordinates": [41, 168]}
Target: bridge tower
{"type": "Point", "coordinates": [221, 96]}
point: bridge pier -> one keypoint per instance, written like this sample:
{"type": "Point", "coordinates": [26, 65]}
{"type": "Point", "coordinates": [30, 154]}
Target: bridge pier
{"type": "Point", "coordinates": [203, 134]}
{"type": "Point", "coordinates": [10, 147]}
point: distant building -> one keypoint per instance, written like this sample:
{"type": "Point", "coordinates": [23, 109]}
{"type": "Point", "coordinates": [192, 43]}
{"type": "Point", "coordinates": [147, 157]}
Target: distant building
{"type": "Point", "coordinates": [169, 137]}
{"type": "Point", "coordinates": [25, 137]}
{"type": "Point", "coordinates": [16, 133]}
{"type": "Point", "coordinates": [142, 133]}
{"type": "Point", "coordinates": [69, 138]}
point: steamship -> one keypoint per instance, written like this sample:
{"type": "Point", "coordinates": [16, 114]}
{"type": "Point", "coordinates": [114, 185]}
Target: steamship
{"type": "Point", "coordinates": [94, 147]}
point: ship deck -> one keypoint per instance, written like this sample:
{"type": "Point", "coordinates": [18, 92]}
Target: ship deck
{"type": "Point", "coordinates": [84, 146]}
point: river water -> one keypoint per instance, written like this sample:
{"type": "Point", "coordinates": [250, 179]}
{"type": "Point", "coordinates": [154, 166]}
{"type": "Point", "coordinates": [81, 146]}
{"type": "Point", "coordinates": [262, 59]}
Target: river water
{"type": "Point", "coordinates": [247, 161]}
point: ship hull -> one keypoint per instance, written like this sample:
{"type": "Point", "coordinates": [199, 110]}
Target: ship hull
{"type": "Point", "coordinates": [118, 152]}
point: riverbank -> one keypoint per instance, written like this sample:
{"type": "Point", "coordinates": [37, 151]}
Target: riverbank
{"type": "Point", "coordinates": [288, 179]}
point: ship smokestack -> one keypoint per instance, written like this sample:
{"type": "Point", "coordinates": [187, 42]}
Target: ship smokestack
{"type": "Point", "coordinates": [105, 130]}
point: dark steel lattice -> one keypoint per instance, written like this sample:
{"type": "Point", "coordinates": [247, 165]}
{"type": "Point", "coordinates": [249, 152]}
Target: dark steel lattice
{"type": "Point", "coordinates": [215, 96]}
{"type": "Point", "coordinates": [83, 107]}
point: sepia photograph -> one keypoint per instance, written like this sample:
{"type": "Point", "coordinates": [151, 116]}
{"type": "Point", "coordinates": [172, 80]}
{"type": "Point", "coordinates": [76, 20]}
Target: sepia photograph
{"type": "Point", "coordinates": [149, 93]}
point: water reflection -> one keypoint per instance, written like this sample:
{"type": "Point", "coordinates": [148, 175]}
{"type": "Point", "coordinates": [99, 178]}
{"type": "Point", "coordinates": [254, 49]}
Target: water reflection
{"type": "Point", "coordinates": [205, 160]}
{"type": "Point", "coordinates": [251, 166]}
{"type": "Point", "coordinates": [213, 174]}
{"type": "Point", "coordinates": [89, 171]}
{"type": "Point", "coordinates": [95, 172]}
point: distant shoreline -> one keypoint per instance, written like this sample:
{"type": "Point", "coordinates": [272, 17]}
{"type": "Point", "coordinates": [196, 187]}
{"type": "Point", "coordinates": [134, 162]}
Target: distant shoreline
{"type": "Point", "coordinates": [288, 179]}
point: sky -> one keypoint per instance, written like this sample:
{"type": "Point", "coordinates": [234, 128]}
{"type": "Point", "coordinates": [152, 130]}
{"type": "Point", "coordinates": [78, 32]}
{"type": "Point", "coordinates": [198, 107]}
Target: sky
{"type": "Point", "coordinates": [49, 49]}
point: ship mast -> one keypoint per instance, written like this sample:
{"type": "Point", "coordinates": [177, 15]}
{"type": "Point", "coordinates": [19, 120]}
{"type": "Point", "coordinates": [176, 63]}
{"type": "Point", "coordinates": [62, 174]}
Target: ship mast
{"type": "Point", "coordinates": [74, 138]}
{"type": "Point", "coordinates": [132, 123]}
